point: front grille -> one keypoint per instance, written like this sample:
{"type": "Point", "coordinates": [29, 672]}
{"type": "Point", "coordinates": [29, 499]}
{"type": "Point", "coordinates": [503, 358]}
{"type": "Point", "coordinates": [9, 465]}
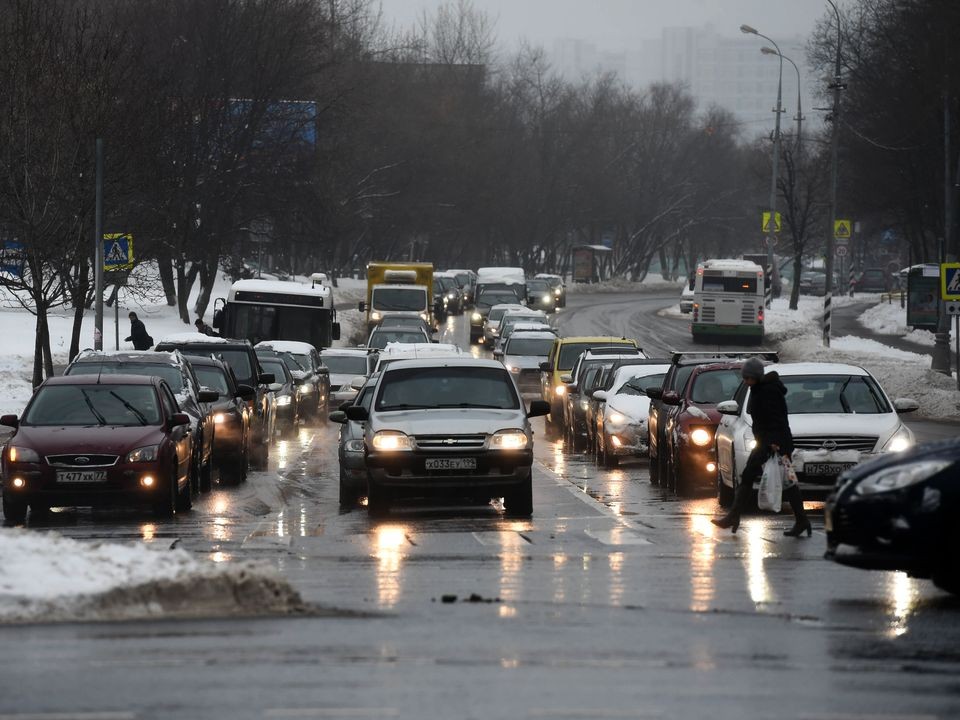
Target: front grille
{"type": "Point", "coordinates": [863, 443]}
{"type": "Point", "coordinates": [450, 442]}
{"type": "Point", "coordinates": [87, 461]}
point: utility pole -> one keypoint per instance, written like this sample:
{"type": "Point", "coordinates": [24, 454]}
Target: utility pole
{"type": "Point", "coordinates": [940, 357]}
{"type": "Point", "coordinates": [98, 254]}
{"type": "Point", "coordinates": [836, 86]}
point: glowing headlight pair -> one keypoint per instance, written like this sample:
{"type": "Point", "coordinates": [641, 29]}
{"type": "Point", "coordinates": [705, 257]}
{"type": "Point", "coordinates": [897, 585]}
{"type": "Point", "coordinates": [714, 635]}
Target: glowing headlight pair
{"type": "Point", "coordinates": [144, 454]}
{"type": "Point", "coordinates": [22, 454]}
{"type": "Point", "coordinates": [395, 441]}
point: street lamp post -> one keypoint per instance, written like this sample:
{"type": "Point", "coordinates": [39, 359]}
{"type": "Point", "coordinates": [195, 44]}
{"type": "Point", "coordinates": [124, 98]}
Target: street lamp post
{"type": "Point", "coordinates": [772, 226]}
{"type": "Point", "coordinates": [799, 117]}
{"type": "Point", "coordinates": [836, 86]}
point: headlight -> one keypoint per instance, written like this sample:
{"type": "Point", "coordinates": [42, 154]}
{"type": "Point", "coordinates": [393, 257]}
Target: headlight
{"type": "Point", "coordinates": [476, 317]}
{"type": "Point", "coordinates": [584, 404]}
{"type": "Point", "coordinates": [508, 440]}
{"type": "Point", "coordinates": [560, 390]}
{"type": "Point", "coordinates": [144, 454]}
{"type": "Point", "coordinates": [616, 418]}
{"type": "Point", "coordinates": [283, 400]}
{"type": "Point", "coordinates": [22, 454]}
{"type": "Point", "coordinates": [391, 441]}
{"type": "Point", "coordinates": [219, 419]}
{"type": "Point", "coordinates": [423, 316]}
{"type": "Point", "coordinates": [556, 291]}
{"type": "Point", "coordinates": [701, 437]}
{"type": "Point", "coordinates": [513, 368]}
{"type": "Point", "coordinates": [451, 295]}
{"type": "Point", "coordinates": [375, 316]}
{"type": "Point", "coordinates": [897, 478]}
{"type": "Point", "coordinates": [547, 297]}
{"type": "Point", "coordinates": [306, 389]}
{"type": "Point", "coordinates": [901, 440]}
{"type": "Point", "coordinates": [353, 446]}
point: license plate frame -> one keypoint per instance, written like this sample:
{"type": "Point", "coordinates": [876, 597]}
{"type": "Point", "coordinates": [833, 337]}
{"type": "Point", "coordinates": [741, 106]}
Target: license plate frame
{"type": "Point", "coordinates": [826, 469]}
{"type": "Point", "coordinates": [452, 464]}
{"type": "Point", "coordinates": [81, 477]}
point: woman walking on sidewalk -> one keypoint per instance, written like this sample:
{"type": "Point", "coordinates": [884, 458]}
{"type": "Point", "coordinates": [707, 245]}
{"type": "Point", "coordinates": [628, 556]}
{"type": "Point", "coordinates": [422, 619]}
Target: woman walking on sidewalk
{"type": "Point", "coordinates": [771, 431]}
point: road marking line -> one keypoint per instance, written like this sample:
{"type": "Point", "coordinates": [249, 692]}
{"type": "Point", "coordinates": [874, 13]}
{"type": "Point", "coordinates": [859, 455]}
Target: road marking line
{"type": "Point", "coordinates": [105, 715]}
{"type": "Point", "coordinates": [332, 713]}
{"type": "Point", "coordinates": [501, 538]}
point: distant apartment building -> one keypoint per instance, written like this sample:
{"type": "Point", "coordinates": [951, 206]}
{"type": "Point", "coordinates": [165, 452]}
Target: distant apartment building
{"type": "Point", "coordinates": [726, 70]}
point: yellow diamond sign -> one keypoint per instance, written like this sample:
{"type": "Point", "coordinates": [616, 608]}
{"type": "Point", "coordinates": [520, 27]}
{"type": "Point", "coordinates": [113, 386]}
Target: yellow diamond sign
{"type": "Point", "coordinates": [778, 223]}
{"type": "Point", "coordinates": [842, 229]}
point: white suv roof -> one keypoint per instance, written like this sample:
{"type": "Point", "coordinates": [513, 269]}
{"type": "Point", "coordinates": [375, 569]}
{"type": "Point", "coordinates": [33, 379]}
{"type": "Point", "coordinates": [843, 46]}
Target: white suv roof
{"type": "Point", "coordinates": [290, 346]}
{"type": "Point", "coordinates": [468, 361]}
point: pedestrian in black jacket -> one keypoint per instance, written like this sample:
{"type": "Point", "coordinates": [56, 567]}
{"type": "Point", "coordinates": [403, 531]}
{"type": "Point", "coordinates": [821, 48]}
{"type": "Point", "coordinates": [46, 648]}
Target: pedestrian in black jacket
{"type": "Point", "coordinates": [138, 334]}
{"type": "Point", "coordinates": [771, 430]}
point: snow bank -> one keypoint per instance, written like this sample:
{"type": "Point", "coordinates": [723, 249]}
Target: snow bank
{"type": "Point", "coordinates": [50, 578]}
{"type": "Point", "coordinates": [891, 319]}
{"type": "Point", "coordinates": [651, 283]}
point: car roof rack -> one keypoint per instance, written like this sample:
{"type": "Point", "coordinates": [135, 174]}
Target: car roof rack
{"type": "Point", "coordinates": [614, 350]}
{"type": "Point", "coordinates": [700, 355]}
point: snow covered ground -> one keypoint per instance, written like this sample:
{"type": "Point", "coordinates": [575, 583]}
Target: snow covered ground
{"type": "Point", "coordinates": [651, 283]}
{"type": "Point", "coordinates": [47, 576]}
{"type": "Point", "coordinates": [891, 319]}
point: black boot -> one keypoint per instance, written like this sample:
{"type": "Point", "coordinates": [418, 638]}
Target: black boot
{"type": "Point", "coordinates": [801, 524]}
{"type": "Point", "coordinates": [732, 518]}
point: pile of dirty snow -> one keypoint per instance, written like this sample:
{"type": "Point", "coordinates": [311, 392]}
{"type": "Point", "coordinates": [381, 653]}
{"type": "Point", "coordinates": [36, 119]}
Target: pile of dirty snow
{"type": "Point", "coordinates": [45, 577]}
{"type": "Point", "coordinates": [891, 319]}
{"type": "Point", "coordinates": [652, 283]}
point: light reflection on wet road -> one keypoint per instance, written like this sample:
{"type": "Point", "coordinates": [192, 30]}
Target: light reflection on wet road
{"type": "Point", "coordinates": [615, 600]}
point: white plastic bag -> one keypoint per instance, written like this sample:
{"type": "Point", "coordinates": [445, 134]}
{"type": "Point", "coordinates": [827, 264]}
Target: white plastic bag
{"type": "Point", "coordinates": [771, 485]}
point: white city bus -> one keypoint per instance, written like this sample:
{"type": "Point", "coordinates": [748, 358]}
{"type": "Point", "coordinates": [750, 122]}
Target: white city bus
{"type": "Point", "coordinates": [728, 301]}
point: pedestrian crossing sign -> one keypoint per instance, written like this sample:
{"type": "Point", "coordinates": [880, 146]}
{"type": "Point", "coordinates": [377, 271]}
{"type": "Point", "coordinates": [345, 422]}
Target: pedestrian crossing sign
{"type": "Point", "coordinates": [842, 228]}
{"type": "Point", "coordinates": [777, 225]}
{"type": "Point", "coordinates": [950, 281]}
{"type": "Point", "coordinates": [117, 252]}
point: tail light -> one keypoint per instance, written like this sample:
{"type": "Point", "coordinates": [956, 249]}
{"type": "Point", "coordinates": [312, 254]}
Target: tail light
{"type": "Point", "coordinates": [696, 311]}
{"type": "Point", "coordinates": [760, 315]}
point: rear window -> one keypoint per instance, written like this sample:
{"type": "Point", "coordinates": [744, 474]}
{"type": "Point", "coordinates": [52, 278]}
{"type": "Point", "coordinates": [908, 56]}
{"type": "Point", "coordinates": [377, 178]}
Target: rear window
{"type": "Point", "coordinates": [743, 285]}
{"type": "Point", "coordinates": [380, 339]}
{"type": "Point", "coordinates": [170, 373]}
{"type": "Point", "coordinates": [276, 367]}
{"type": "Point", "coordinates": [213, 378]}
{"type": "Point", "coordinates": [715, 386]}
{"type": "Point", "coordinates": [238, 360]}
{"type": "Point", "coordinates": [528, 346]}
{"type": "Point", "coordinates": [447, 387]}
{"type": "Point", "coordinates": [638, 384]}
{"type": "Point", "coordinates": [569, 352]}
{"type": "Point", "coordinates": [84, 405]}
{"type": "Point", "coordinates": [345, 364]}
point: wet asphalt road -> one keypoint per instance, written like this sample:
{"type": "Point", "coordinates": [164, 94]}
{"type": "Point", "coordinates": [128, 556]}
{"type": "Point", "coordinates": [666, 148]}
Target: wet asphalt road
{"type": "Point", "coordinates": [616, 600]}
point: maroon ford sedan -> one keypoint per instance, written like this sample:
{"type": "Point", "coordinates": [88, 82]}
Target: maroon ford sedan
{"type": "Point", "coordinates": [98, 440]}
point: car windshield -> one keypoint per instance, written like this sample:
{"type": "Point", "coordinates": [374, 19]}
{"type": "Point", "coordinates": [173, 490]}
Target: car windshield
{"type": "Point", "coordinates": [447, 283]}
{"type": "Point", "coordinates": [496, 314]}
{"type": "Point", "coordinates": [447, 387]}
{"type": "Point", "coordinates": [83, 405]}
{"type": "Point", "coordinates": [489, 299]}
{"type": "Point", "coordinates": [537, 286]}
{"type": "Point", "coordinates": [834, 394]}
{"type": "Point", "coordinates": [399, 299]}
{"type": "Point", "coordinates": [529, 346]}
{"type": "Point", "coordinates": [213, 378]}
{"type": "Point", "coordinates": [345, 364]}
{"type": "Point", "coordinates": [638, 384]}
{"type": "Point", "coordinates": [170, 373]}
{"type": "Point", "coordinates": [275, 366]}
{"type": "Point", "coordinates": [238, 360]}
{"type": "Point", "coordinates": [380, 338]}
{"type": "Point", "coordinates": [715, 386]}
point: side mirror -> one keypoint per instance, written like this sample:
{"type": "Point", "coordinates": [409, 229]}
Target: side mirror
{"type": "Point", "coordinates": [728, 407]}
{"type": "Point", "coordinates": [566, 379]}
{"type": "Point", "coordinates": [267, 378]}
{"type": "Point", "coordinates": [362, 306]}
{"type": "Point", "coordinates": [206, 395]}
{"type": "Point", "coordinates": [357, 413]}
{"type": "Point", "coordinates": [177, 420]}
{"type": "Point", "coordinates": [245, 392]}
{"type": "Point", "coordinates": [538, 408]}
{"type": "Point", "coordinates": [670, 398]}
{"type": "Point", "coordinates": [498, 354]}
{"type": "Point", "coordinates": [901, 405]}
{"type": "Point", "coordinates": [217, 319]}
{"type": "Point", "coordinates": [654, 393]}
{"type": "Point", "coordinates": [10, 421]}
{"type": "Point", "coordinates": [335, 331]}
{"type": "Point", "coordinates": [275, 387]}
{"type": "Point", "coordinates": [358, 382]}
{"type": "Point", "coordinates": [600, 395]}
{"type": "Point", "coordinates": [544, 367]}
{"type": "Point", "coordinates": [338, 416]}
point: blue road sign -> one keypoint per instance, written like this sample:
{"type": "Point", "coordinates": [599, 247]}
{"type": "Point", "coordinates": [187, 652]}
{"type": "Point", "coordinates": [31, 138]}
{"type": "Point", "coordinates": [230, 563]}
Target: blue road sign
{"type": "Point", "coordinates": [117, 252]}
{"type": "Point", "coordinates": [11, 258]}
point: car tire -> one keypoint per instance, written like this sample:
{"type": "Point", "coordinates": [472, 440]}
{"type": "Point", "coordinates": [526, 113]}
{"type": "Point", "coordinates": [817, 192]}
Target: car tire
{"type": "Point", "coordinates": [166, 505]}
{"type": "Point", "coordinates": [378, 501]}
{"type": "Point", "coordinates": [609, 461]}
{"type": "Point", "coordinates": [680, 485]}
{"type": "Point", "coordinates": [14, 511]}
{"type": "Point", "coordinates": [519, 501]}
{"type": "Point", "coordinates": [348, 494]}
{"type": "Point", "coordinates": [184, 501]}
{"type": "Point", "coordinates": [206, 475]}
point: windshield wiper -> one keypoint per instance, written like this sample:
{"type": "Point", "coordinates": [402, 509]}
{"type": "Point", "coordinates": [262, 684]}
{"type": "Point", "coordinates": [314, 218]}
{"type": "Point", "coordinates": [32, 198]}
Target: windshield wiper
{"type": "Point", "coordinates": [843, 401]}
{"type": "Point", "coordinates": [140, 416]}
{"type": "Point", "coordinates": [100, 418]}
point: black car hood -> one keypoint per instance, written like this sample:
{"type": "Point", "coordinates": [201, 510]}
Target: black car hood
{"type": "Point", "coordinates": [947, 449]}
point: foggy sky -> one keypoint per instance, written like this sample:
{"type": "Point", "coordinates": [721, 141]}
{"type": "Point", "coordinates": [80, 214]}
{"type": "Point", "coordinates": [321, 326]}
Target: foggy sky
{"type": "Point", "coordinates": [617, 24]}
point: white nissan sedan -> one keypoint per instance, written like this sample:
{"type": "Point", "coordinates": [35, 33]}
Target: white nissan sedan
{"type": "Point", "coordinates": [839, 416]}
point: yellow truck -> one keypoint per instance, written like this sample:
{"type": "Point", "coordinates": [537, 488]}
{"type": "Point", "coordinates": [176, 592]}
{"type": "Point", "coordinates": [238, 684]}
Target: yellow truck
{"type": "Point", "coordinates": [398, 288]}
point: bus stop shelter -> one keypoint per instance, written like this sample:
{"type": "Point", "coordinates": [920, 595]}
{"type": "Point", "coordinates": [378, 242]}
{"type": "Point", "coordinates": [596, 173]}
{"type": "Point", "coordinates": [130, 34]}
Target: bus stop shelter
{"type": "Point", "coordinates": [591, 263]}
